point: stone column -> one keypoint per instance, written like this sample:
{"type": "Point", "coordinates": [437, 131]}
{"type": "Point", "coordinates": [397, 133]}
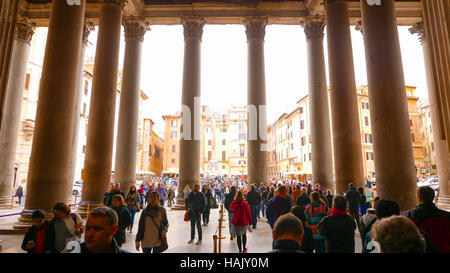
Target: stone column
{"type": "Point", "coordinates": [100, 134]}
{"type": "Point", "coordinates": [48, 171]}
{"type": "Point", "coordinates": [392, 141]}
{"type": "Point", "coordinates": [255, 29]}
{"type": "Point", "coordinates": [127, 131]}
{"type": "Point", "coordinates": [189, 162]}
{"type": "Point", "coordinates": [88, 27]}
{"type": "Point", "coordinates": [13, 106]}
{"type": "Point", "coordinates": [5, 50]}
{"type": "Point", "coordinates": [322, 164]}
{"type": "Point", "coordinates": [440, 145]}
{"type": "Point", "coordinates": [348, 162]}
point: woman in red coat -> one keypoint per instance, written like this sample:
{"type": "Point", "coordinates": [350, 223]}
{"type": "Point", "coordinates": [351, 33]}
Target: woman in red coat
{"type": "Point", "coordinates": [242, 220]}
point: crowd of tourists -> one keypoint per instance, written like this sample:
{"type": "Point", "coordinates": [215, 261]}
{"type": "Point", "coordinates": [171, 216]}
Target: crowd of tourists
{"type": "Point", "coordinates": [304, 218]}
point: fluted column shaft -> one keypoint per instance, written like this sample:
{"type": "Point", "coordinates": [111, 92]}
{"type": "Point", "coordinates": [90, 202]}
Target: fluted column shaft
{"type": "Point", "coordinates": [392, 141]}
{"type": "Point", "coordinates": [125, 163]}
{"type": "Point", "coordinates": [255, 29]}
{"type": "Point", "coordinates": [189, 164]}
{"type": "Point", "coordinates": [100, 135]}
{"type": "Point", "coordinates": [348, 162]}
{"type": "Point", "coordinates": [440, 145]}
{"type": "Point", "coordinates": [322, 164]}
{"type": "Point", "coordinates": [13, 107]}
{"type": "Point", "coordinates": [48, 171]}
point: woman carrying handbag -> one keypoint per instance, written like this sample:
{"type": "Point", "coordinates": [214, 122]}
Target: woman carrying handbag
{"type": "Point", "coordinates": [153, 227]}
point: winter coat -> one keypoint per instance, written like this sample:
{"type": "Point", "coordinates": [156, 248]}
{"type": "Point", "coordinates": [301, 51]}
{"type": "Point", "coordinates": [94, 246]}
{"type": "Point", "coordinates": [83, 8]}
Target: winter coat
{"type": "Point", "coordinates": [354, 198]}
{"type": "Point", "coordinates": [286, 246]}
{"type": "Point", "coordinates": [124, 221]}
{"type": "Point", "coordinates": [114, 248]}
{"type": "Point", "coordinates": [19, 191]}
{"type": "Point", "coordinates": [253, 197]}
{"type": "Point", "coordinates": [315, 212]}
{"type": "Point", "coordinates": [435, 222]}
{"type": "Point", "coordinates": [229, 198]}
{"type": "Point", "coordinates": [108, 201]}
{"type": "Point", "coordinates": [276, 207]}
{"type": "Point", "coordinates": [242, 215]}
{"type": "Point", "coordinates": [339, 233]}
{"type": "Point", "coordinates": [197, 202]}
{"type": "Point", "coordinates": [133, 198]}
{"type": "Point", "coordinates": [49, 238]}
{"type": "Point", "coordinates": [152, 212]}
{"type": "Point", "coordinates": [303, 200]}
{"type": "Point", "coordinates": [208, 197]}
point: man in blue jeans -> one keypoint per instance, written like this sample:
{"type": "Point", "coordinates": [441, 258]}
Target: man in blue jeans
{"type": "Point", "coordinates": [196, 206]}
{"type": "Point", "coordinates": [254, 199]}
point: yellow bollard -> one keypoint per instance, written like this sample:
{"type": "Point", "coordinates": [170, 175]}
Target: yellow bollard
{"type": "Point", "coordinates": [12, 202]}
{"type": "Point", "coordinates": [215, 243]}
{"type": "Point", "coordinates": [88, 208]}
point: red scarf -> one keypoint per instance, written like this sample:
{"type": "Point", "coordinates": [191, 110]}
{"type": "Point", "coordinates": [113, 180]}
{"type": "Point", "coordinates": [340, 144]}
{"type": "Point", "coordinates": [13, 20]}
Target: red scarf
{"type": "Point", "coordinates": [338, 212]}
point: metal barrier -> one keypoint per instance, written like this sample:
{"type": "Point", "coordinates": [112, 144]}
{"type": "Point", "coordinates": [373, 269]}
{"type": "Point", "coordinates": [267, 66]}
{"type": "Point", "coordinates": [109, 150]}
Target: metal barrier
{"type": "Point", "coordinates": [28, 212]}
{"type": "Point", "coordinates": [218, 239]}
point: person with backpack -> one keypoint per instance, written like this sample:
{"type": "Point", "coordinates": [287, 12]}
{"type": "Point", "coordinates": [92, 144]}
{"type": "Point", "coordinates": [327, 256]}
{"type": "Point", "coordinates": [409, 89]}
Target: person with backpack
{"type": "Point", "coordinates": [229, 198]}
{"type": "Point", "coordinates": [153, 226]}
{"type": "Point", "coordinates": [39, 238]}
{"type": "Point", "coordinates": [67, 226]}
{"type": "Point", "coordinates": [124, 216]}
{"type": "Point", "coordinates": [242, 220]}
{"type": "Point", "coordinates": [19, 194]}
{"type": "Point", "coordinates": [354, 203]}
{"type": "Point", "coordinates": [278, 206]}
{"type": "Point", "coordinates": [315, 212]}
{"type": "Point", "coordinates": [253, 200]}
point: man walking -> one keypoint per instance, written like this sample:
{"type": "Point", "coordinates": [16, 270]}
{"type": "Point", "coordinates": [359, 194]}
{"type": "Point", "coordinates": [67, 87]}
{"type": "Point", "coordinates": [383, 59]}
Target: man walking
{"type": "Point", "coordinates": [196, 206]}
{"type": "Point", "coordinates": [162, 194]}
{"type": "Point", "coordinates": [354, 202]}
{"type": "Point", "coordinates": [254, 199]}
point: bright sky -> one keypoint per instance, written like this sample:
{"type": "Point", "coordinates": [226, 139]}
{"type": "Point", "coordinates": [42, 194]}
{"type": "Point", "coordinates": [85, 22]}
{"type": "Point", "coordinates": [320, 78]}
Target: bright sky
{"type": "Point", "coordinates": [224, 67]}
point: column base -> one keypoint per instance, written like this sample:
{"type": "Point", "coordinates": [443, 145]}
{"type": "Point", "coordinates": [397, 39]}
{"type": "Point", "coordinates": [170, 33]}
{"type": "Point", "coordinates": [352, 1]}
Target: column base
{"type": "Point", "coordinates": [24, 220]}
{"type": "Point", "coordinates": [444, 203]}
{"type": "Point", "coordinates": [180, 204]}
{"type": "Point", "coordinates": [5, 201]}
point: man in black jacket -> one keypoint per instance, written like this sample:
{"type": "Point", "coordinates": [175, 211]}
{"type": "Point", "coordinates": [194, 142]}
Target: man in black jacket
{"type": "Point", "coordinates": [40, 236]}
{"type": "Point", "coordinates": [229, 197]}
{"type": "Point", "coordinates": [354, 202]}
{"type": "Point", "coordinates": [287, 234]}
{"type": "Point", "coordinates": [208, 197]}
{"type": "Point", "coordinates": [114, 192]}
{"type": "Point", "coordinates": [196, 206]}
{"type": "Point", "coordinates": [338, 228]}
{"type": "Point", "coordinates": [254, 199]}
{"type": "Point", "coordinates": [303, 200]}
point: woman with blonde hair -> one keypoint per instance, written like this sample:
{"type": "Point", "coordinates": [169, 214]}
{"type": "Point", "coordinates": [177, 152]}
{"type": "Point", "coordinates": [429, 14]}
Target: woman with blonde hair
{"type": "Point", "coordinates": [242, 220]}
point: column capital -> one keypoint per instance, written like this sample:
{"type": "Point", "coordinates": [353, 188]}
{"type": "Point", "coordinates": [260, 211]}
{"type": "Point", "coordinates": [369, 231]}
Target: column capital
{"type": "Point", "coordinates": [121, 3]}
{"type": "Point", "coordinates": [135, 28]}
{"type": "Point", "coordinates": [24, 29]}
{"type": "Point", "coordinates": [255, 27]}
{"type": "Point", "coordinates": [419, 29]}
{"type": "Point", "coordinates": [87, 28]}
{"type": "Point", "coordinates": [193, 27]}
{"type": "Point", "coordinates": [314, 26]}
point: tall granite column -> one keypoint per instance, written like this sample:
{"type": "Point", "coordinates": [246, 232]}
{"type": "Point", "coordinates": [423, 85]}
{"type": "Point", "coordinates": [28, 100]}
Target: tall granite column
{"type": "Point", "coordinates": [100, 134]}
{"type": "Point", "coordinates": [125, 164]}
{"type": "Point", "coordinates": [322, 162]}
{"type": "Point", "coordinates": [48, 170]}
{"type": "Point", "coordinates": [440, 145]}
{"type": "Point", "coordinates": [88, 27]}
{"type": "Point", "coordinates": [189, 163]}
{"type": "Point", "coordinates": [255, 29]}
{"type": "Point", "coordinates": [348, 162]}
{"type": "Point", "coordinates": [13, 106]}
{"type": "Point", "coordinates": [392, 141]}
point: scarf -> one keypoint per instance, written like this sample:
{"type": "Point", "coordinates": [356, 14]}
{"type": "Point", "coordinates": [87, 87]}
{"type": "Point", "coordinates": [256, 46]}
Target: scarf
{"type": "Point", "coordinates": [151, 211]}
{"type": "Point", "coordinates": [338, 212]}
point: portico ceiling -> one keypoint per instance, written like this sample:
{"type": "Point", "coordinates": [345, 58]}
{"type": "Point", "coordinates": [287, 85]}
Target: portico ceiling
{"type": "Point", "coordinates": [167, 12]}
